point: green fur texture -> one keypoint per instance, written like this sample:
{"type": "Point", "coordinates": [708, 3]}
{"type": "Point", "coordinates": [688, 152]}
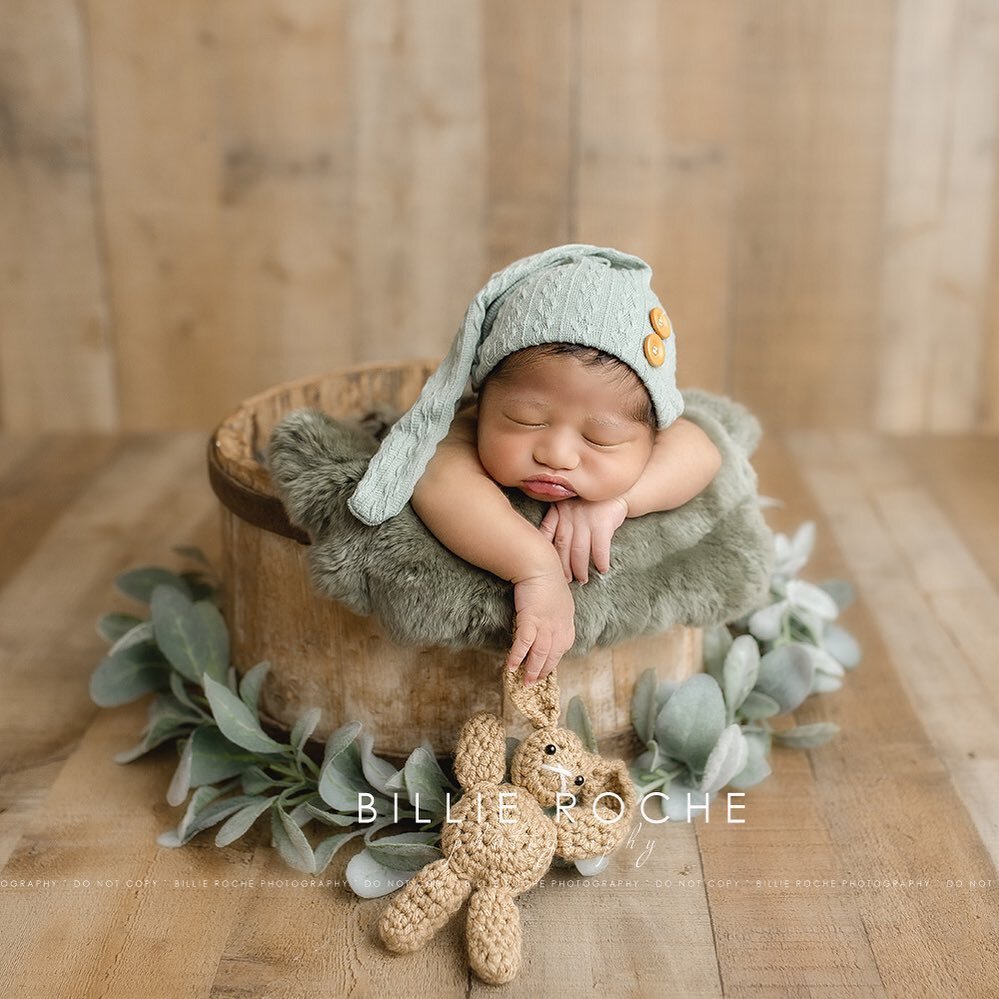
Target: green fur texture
{"type": "Point", "coordinates": [704, 563]}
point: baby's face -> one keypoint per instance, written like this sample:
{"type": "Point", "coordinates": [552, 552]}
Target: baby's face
{"type": "Point", "coordinates": [565, 422]}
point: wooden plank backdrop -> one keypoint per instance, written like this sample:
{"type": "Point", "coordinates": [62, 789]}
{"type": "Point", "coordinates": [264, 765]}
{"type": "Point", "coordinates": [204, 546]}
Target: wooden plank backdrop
{"type": "Point", "coordinates": [201, 200]}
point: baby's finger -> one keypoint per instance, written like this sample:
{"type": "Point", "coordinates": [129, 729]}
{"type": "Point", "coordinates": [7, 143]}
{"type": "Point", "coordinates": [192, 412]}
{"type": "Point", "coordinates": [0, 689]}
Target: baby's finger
{"type": "Point", "coordinates": [601, 553]}
{"type": "Point", "coordinates": [579, 555]}
{"type": "Point", "coordinates": [549, 522]}
{"type": "Point", "coordinates": [563, 542]}
{"type": "Point", "coordinates": [550, 664]}
{"type": "Point", "coordinates": [535, 663]}
{"type": "Point", "coordinates": [522, 642]}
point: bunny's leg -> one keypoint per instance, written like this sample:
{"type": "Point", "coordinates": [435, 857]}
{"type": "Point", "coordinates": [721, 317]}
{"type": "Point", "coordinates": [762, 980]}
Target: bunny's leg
{"type": "Point", "coordinates": [493, 935]}
{"type": "Point", "coordinates": [424, 904]}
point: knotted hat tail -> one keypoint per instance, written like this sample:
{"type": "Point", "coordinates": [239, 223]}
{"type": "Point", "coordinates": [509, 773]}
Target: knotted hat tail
{"type": "Point", "coordinates": [608, 309]}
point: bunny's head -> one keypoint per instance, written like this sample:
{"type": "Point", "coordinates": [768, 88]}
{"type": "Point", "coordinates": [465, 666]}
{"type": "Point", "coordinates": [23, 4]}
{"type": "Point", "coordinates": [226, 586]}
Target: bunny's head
{"type": "Point", "coordinates": [552, 763]}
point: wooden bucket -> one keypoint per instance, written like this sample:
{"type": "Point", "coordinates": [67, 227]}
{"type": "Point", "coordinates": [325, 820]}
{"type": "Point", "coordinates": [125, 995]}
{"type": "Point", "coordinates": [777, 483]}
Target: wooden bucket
{"type": "Point", "coordinates": [324, 655]}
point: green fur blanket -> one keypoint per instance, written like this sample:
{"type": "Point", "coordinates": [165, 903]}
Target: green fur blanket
{"type": "Point", "coordinates": [704, 563]}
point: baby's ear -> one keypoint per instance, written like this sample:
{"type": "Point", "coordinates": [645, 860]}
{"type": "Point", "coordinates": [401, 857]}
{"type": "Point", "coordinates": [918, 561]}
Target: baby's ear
{"type": "Point", "coordinates": [539, 702]}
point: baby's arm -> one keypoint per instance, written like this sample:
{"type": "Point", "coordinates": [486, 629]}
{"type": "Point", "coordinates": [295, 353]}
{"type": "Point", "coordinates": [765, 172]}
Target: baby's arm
{"type": "Point", "coordinates": [683, 462]}
{"type": "Point", "coordinates": [465, 509]}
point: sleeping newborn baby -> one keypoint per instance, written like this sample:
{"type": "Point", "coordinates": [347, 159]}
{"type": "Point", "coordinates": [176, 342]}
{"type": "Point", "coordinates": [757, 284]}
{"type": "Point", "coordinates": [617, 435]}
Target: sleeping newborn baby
{"type": "Point", "coordinates": [573, 361]}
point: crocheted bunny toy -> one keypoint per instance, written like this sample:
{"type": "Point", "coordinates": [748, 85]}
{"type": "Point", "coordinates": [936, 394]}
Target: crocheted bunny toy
{"type": "Point", "coordinates": [501, 841]}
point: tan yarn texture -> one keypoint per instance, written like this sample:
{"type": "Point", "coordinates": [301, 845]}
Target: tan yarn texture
{"type": "Point", "coordinates": [498, 847]}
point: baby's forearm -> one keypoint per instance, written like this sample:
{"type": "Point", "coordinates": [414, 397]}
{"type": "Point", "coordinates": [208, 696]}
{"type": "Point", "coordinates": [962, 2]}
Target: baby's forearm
{"type": "Point", "coordinates": [468, 513]}
{"type": "Point", "coordinates": [684, 461]}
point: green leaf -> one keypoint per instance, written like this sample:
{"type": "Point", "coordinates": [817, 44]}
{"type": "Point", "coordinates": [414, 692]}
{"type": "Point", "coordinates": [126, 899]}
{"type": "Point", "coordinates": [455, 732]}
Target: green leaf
{"type": "Point", "coordinates": [841, 591]}
{"type": "Point", "coordinates": [692, 720]}
{"type": "Point", "coordinates": [129, 674]}
{"type": "Point", "coordinates": [215, 758]}
{"type": "Point", "coordinates": [652, 757]}
{"type": "Point", "coordinates": [165, 703]}
{"type": "Point", "coordinates": [237, 722]}
{"type": "Point", "coordinates": [715, 643]}
{"type": "Point", "coordinates": [841, 645]}
{"type": "Point", "coordinates": [140, 583]}
{"type": "Point", "coordinates": [728, 758]}
{"type": "Point", "coordinates": [665, 689]}
{"type": "Point", "coordinates": [426, 783]}
{"type": "Point", "coordinates": [376, 770]}
{"type": "Point", "coordinates": [291, 842]}
{"type": "Point", "coordinates": [370, 879]}
{"type": "Point", "coordinates": [767, 623]}
{"type": "Point", "coordinates": [406, 851]}
{"type": "Point", "coordinates": [211, 812]}
{"type": "Point", "coordinates": [342, 778]}
{"type": "Point", "coordinates": [758, 705]}
{"type": "Point", "coordinates": [192, 636]}
{"type": "Point", "coordinates": [823, 662]}
{"type": "Point", "coordinates": [179, 691]}
{"type": "Point", "coordinates": [679, 806]}
{"type": "Point", "coordinates": [648, 780]}
{"type": "Point", "coordinates": [255, 780]}
{"type": "Point", "coordinates": [239, 824]}
{"type": "Point", "coordinates": [805, 628]}
{"type": "Point", "coordinates": [397, 783]}
{"type": "Point", "coordinates": [142, 632]}
{"type": "Point", "coordinates": [250, 685]}
{"type": "Point", "coordinates": [161, 731]}
{"type": "Point", "coordinates": [300, 815]}
{"type": "Point", "coordinates": [823, 683]}
{"type": "Point", "coordinates": [808, 597]}
{"type": "Point", "coordinates": [304, 728]}
{"type": "Point", "coordinates": [643, 705]}
{"type": "Point", "coordinates": [112, 626]}
{"type": "Point", "coordinates": [201, 798]}
{"type": "Point", "coordinates": [181, 782]}
{"type": "Point", "coordinates": [329, 846]}
{"type": "Point", "coordinates": [339, 740]}
{"type": "Point", "coordinates": [804, 540]}
{"type": "Point", "coordinates": [757, 766]}
{"type": "Point", "coordinates": [201, 587]}
{"type": "Point", "coordinates": [786, 675]}
{"type": "Point", "coordinates": [742, 666]}
{"type": "Point", "coordinates": [807, 736]}
{"type": "Point", "coordinates": [330, 818]}
{"type": "Point", "coordinates": [578, 720]}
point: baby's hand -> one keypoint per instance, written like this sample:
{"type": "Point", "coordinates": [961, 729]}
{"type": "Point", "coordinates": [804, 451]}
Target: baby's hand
{"type": "Point", "coordinates": [544, 626]}
{"type": "Point", "coordinates": [576, 527]}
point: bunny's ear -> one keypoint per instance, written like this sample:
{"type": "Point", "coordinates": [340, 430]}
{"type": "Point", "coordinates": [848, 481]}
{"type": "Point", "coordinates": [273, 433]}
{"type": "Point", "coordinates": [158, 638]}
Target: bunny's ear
{"type": "Point", "coordinates": [539, 701]}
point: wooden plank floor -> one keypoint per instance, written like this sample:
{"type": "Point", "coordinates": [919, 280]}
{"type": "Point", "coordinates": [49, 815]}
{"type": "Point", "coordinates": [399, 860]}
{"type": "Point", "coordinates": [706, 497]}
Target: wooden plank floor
{"type": "Point", "coordinates": [864, 868]}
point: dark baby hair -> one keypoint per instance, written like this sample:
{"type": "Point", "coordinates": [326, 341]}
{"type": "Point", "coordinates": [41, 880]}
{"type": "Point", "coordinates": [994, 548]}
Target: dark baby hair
{"type": "Point", "coordinates": [642, 410]}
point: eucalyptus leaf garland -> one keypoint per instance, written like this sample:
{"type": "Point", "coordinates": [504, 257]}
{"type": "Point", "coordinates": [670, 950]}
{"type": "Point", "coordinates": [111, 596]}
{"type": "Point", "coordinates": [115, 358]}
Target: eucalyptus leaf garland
{"type": "Point", "coordinates": [711, 731]}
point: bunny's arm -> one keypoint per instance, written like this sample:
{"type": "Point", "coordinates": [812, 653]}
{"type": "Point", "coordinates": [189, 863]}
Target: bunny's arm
{"type": "Point", "coordinates": [598, 828]}
{"type": "Point", "coordinates": [480, 756]}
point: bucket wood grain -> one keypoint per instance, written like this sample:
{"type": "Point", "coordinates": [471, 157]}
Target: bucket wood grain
{"type": "Point", "coordinates": [324, 655]}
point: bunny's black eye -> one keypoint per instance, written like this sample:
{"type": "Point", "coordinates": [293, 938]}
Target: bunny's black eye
{"type": "Point", "coordinates": [579, 780]}
{"type": "Point", "coordinates": [550, 749]}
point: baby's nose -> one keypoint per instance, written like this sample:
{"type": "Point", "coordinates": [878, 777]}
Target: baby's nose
{"type": "Point", "coordinates": [556, 450]}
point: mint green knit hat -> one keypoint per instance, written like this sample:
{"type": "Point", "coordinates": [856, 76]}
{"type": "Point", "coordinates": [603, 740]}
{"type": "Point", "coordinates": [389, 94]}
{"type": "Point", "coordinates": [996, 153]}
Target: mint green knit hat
{"type": "Point", "coordinates": [586, 295]}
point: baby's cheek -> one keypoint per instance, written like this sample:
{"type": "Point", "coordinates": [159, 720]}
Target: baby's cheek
{"type": "Point", "coordinates": [619, 477]}
{"type": "Point", "coordinates": [499, 459]}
